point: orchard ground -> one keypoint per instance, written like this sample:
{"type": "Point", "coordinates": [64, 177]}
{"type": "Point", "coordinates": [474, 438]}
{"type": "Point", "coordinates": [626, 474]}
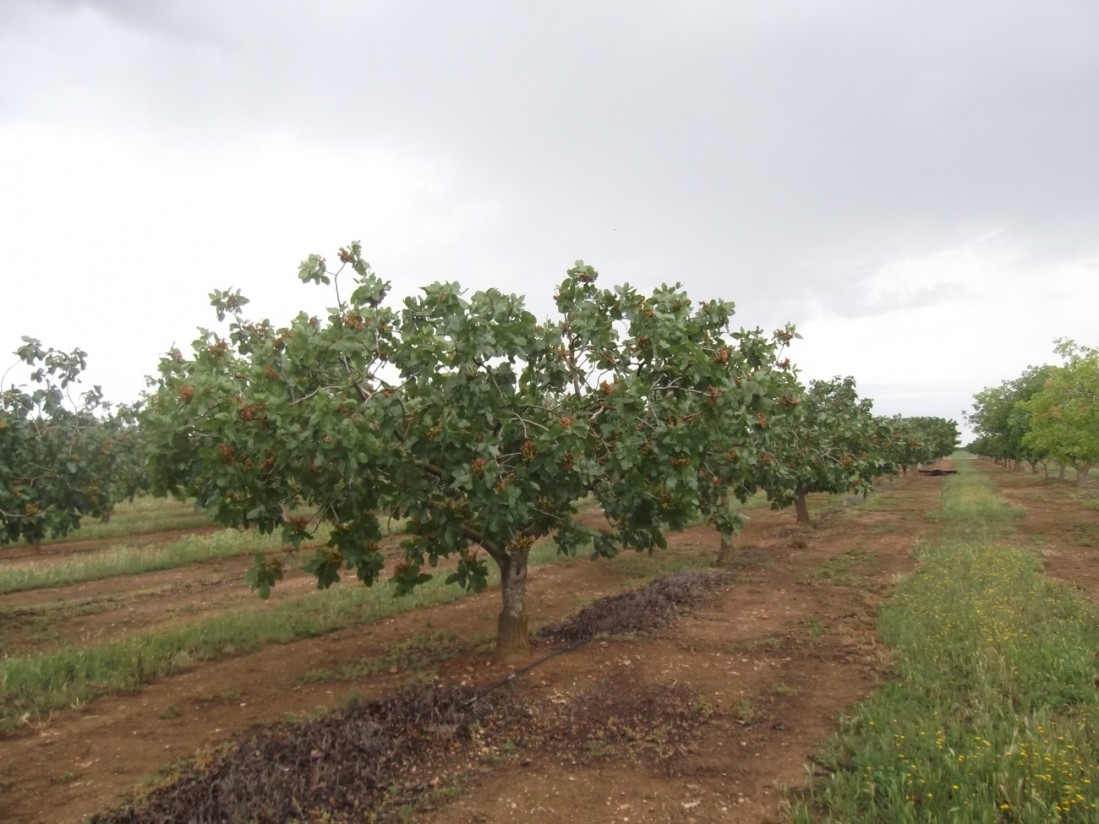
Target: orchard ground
{"type": "Point", "coordinates": [711, 719]}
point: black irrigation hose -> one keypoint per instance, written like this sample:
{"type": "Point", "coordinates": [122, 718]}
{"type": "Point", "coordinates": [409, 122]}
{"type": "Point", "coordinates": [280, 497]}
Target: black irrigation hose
{"type": "Point", "coordinates": [575, 645]}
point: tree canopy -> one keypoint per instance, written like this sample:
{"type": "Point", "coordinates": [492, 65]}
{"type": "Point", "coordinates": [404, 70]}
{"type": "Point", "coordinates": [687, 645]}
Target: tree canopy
{"type": "Point", "coordinates": [478, 424]}
{"type": "Point", "coordinates": [1064, 413]}
{"type": "Point", "coordinates": [61, 458]}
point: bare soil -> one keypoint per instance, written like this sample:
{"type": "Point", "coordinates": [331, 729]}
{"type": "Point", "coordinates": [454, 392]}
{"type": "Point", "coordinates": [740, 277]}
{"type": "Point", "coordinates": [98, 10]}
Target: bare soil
{"type": "Point", "coordinates": [721, 710]}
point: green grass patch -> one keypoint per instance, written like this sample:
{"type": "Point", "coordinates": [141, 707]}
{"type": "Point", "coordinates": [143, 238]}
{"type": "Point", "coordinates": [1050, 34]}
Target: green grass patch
{"type": "Point", "coordinates": [642, 567]}
{"type": "Point", "coordinates": [128, 560]}
{"type": "Point", "coordinates": [993, 712]}
{"type": "Point", "coordinates": [887, 500]}
{"type": "Point", "coordinates": [142, 516]}
{"type": "Point", "coordinates": [757, 501]}
{"type": "Point", "coordinates": [840, 570]}
{"type": "Point", "coordinates": [971, 509]}
{"type": "Point", "coordinates": [419, 655]}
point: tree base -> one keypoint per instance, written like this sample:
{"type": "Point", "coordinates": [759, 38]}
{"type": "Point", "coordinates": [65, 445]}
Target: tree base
{"type": "Point", "coordinates": [725, 553]}
{"type": "Point", "coordinates": [512, 638]}
{"type": "Point", "coordinates": [801, 507]}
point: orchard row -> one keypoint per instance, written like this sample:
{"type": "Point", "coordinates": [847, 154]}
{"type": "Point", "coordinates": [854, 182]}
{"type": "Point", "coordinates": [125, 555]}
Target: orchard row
{"type": "Point", "coordinates": [477, 424]}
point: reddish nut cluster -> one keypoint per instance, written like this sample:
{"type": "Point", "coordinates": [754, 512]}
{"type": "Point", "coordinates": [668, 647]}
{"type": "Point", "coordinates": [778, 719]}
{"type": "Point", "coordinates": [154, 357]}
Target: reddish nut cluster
{"type": "Point", "coordinates": [520, 543]}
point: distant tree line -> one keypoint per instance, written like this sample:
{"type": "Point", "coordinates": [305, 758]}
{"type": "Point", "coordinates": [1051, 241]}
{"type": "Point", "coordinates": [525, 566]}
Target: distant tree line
{"type": "Point", "coordinates": [1047, 414]}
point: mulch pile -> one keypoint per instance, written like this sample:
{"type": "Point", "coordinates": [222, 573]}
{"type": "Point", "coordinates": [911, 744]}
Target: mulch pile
{"type": "Point", "coordinates": [653, 606]}
{"type": "Point", "coordinates": [377, 760]}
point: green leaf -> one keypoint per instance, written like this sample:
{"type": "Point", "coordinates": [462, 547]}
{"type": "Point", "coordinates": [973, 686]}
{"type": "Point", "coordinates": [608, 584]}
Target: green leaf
{"type": "Point", "coordinates": [263, 574]}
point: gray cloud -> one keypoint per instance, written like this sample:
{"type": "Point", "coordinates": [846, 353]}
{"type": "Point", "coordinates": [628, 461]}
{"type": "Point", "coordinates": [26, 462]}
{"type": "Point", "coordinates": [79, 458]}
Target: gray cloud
{"type": "Point", "coordinates": [780, 153]}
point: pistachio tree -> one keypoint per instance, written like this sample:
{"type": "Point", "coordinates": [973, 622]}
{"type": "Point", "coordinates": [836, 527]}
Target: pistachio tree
{"type": "Point", "coordinates": [927, 438]}
{"type": "Point", "coordinates": [829, 442]}
{"type": "Point", "coordinates": [55, 466]}
{"type": "Point", "coordinates": [479, 425]}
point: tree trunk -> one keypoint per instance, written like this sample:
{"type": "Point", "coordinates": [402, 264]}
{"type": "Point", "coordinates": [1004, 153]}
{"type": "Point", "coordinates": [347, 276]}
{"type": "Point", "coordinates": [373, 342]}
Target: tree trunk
{"type": "Point", "coordinates": [801, 507]}
{"type": "Point", "coordinates": [512, 637]}
{"type": "Point", "coordinates": [724, 553]}
{"type": "Point", "coordinates": [1061, 472]}
{"type": "Point", "coordinates": [1082, 472]}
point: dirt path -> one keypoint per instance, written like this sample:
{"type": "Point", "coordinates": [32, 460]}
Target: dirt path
{"type": "Point", "coordinates": [774, 660]}
{"type": "Point", "coordinates": [1057, 523]}
{"type": "Point", "coordinates": [771, 661]}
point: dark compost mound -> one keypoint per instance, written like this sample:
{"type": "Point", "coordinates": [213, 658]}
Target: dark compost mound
{"type": "Point", "coordinates": [652, 606]}
{"type": "Point", "coordinates": [353, 765]}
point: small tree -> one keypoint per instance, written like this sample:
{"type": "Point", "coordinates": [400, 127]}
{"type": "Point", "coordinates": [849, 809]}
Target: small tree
{"type": "Point", "coordinates": [830, 443]}
{"type": "Point", "coordinates": [480, 425]}
{"type": "Point", "coordinates": [1064, 414]}
{"type": "Point", "coordinates": [53, 468]}
{"type": "Point", "coordinates": [935, 437]}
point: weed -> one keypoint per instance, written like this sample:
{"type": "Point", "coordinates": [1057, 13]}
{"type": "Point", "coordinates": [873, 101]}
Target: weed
{"type": "Point", "coordinates": [746, 712]}
{"type": "Point", "coordinates": [814, 630]}
{"type": "Point", "coordinates": [837, 571]}
{"type": "Point", "coordinates": [703, 707]}
{"type": "Point", "coordinates": [419, 655]}
{"type": "Point", "coordinates": [768, 643]}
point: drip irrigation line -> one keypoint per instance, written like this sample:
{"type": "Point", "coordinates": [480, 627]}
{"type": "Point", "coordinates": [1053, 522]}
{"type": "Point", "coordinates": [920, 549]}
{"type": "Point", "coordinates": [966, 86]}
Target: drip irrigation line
{"type": "Point", "coordinates": [575, 645]}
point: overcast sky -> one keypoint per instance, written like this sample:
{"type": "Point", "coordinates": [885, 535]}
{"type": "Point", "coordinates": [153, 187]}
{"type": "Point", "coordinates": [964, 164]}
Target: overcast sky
{"type": "Point", "coordinates": [914, 184]}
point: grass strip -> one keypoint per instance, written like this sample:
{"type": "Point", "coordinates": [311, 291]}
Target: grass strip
{"type": "Point", "coordinates": [129, 560]}
{"type": "Point", "coordinates": [993, 710]}
{"type": "Point", "coordinates": [142, 516]}
{"type": "Point", "coordinates": [33, 686]}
